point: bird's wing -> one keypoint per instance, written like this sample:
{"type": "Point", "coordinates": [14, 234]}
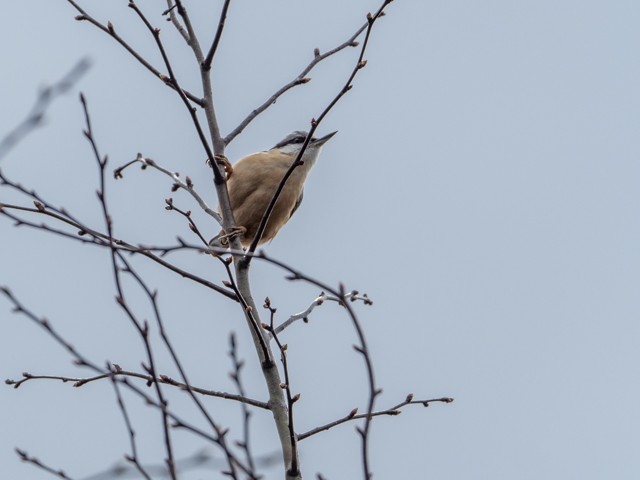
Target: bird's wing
{"type": "Point", "coordinates": [298, 202]}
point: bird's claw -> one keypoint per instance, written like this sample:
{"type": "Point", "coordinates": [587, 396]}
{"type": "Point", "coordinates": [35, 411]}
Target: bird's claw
{"type": "Point", "coordinates": [224, 161]}
{"type": "Point", "coordinates": [222, 240]}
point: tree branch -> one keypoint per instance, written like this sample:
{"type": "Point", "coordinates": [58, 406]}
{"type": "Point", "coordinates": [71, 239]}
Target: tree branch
{"type": "Point", "coordinates": [353, 295]}
{"type": "Point", "coordinates": [187, 185]}
{"type": "Point", "coordinates": [300, 79]}
{"type": "Point", "coordinates": [45, 97]}
{"type": "Point", "coordinates": [352, 415]}
{"type": "Point", "coordinates": [118, 372]}
{"type": "Point", "coordinates": [109, 29]}
{"type": "Point", "coordinates": [216, 40]}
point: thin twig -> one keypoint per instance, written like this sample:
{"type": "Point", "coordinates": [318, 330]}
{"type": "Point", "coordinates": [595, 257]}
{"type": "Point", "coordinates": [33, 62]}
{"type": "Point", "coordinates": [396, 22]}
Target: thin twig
{"type": "Point", "coordinates": [220, 433]}
{"type": "Point", "coordinates": [118, 372]}
{"type": "Point", "coordinates": [238, 364]}
{"type": "Point", "coordinates": [352, 415]}
{"type": "Point", "coordinates": [81, 360]}
{"type": "Point", "coordinates": [25, 457]}
{"type": "Point", "coordinates": [35, 117]}
{"type": "Point", "coordinates": [172, 79]}
{"type": "Point", "coordinates": [294, 471]}
{"type": "Point", "coordinates": [252, 317]}
{"type": "Point", "coordinates": [319, 300]}
{"type": "Point", "coordinates": [141, 327]}
{"type": "Point", "coordinates": [133, 458]}
{"type": "Point", "coordinates": [100, 239]}
{"type": "Point", "coordinates": [186, 214]}
{"type": "Point", "coordinates": [362, 349]}
{"type": "Point", "coordinates": [186, 185]}
{"type": "Point", "coordinates": [180, 423]}
{"type": "Point", "coordinates": [216, 40]}
{"type": "Point", "coordinates": [300, 79]}
{"type": "Point", "coordinates": [173, 18]}
{"type": "Point", "coordinates": [110, 30]}
{"type": "Point", "coordinates": [20, 308]}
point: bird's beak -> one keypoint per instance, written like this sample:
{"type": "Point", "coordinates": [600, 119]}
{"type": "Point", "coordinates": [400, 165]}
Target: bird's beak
{"type": "Point", "coordinates": [323, 140]}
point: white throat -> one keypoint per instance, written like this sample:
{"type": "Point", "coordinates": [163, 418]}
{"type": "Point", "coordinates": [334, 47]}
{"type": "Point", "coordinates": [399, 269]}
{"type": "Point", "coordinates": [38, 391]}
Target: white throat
{"type": "Point", "coordinates": [310, 154]}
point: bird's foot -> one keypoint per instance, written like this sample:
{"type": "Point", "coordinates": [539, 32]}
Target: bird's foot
{"type": "Point", "coordinates": [222, 240]}
{"type": "Point", "coordinates": [224, 161]}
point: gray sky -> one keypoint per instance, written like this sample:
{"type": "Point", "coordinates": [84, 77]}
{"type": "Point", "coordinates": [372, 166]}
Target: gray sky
{"type": "Point", "coordinates": [482, 190]}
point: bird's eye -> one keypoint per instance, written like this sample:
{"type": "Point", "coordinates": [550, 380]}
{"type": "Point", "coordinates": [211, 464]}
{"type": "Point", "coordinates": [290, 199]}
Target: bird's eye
{"type": "Point", "coordinates": [299, 140]}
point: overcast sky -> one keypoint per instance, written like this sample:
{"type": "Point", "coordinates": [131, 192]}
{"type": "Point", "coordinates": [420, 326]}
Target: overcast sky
{"type": "Point", "coordinates": [482, 189]}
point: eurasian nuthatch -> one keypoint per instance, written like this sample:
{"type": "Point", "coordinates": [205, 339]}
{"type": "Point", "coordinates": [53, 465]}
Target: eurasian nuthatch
{"type": "Point", "coordinates": [255, 179]}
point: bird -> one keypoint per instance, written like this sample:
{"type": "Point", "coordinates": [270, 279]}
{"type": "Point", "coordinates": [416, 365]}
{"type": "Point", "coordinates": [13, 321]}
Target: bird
{"type": "Point", "coordinates": [254, 179]}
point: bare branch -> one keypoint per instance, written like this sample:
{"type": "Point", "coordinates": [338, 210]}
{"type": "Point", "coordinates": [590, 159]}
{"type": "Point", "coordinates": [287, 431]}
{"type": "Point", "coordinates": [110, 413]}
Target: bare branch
{"type": "Point", "coordinates": [173, 18]}
{"type": "Point", "coordinates": [25, 457]}
{"type": "Point", "coordinates": [45, 97]}
{"type": "Point", "coordinates": [363, 349]}
{"type": "Point", "coordinates": [141, 326]}
{"type": "Point", "coordinates": [98, 238]}
{"type": "Point", "coordinates": [395, 410]}
{"type": "Point", "coordinates": [177, 182]}
{"type": "Point", "coordinates": [294, 470]}
{"type": "Point", "coordinates": [300, 79]}
{"type": "Point", "coordinates": [216, 40]}
{"type": "Point", "coordinates": [110, 30]}
{"type": "Point", "coordinates": [253, 319]}
{"type": "Point", "coordinates": [172, 79]}
{"type": "Point", "coordinates": [19, 308]}
{"type": "Point", "coordinates": [192, 224]}
{"type": "Point", "coordinates": [353, 295]}
{"type": "Point", "coordinates": [133, 458]}
{"type": "Point", "coordinates": [149, 380]}
{"type": "Point", "coordinates": [238, 364]}
{"type": "Point", "coordinates": [220, 433]}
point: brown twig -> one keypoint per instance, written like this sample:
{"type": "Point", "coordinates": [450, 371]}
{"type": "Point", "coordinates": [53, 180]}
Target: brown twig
{"type": "Point", "coordinates": [171, 7]}
{"type": "Point", "coordinates": [118, 372]}
{"type": "Point", "coordinates": [110, 30]}
{"type": "Point", "coordinates": [25, 457]}
{"type": "Point", "coordinates": [186, 185]}
{"type": "Point", "coordinates": [81, 360]}
{"type": "Point", "coordinates": [238, 365]}
{"type": "Point", "coordinates": [267, 361]}
{"type": "Point", "coordinates": [19, 308]}
{"type": "Point", "coordinates": [45, 97]}
{"type": "Point", "coordinates": [180, 423]}
{"type": "Point", "coordinates": [352, 415]}
{"type": "Point", "coordinates": [352, 296]}
{"type": "Point", "coordinates": [294, 471]}
{"type": "Point", "coordinates": [133, 458]}
{"type": "Point", "coordinates": [301, 79]}
{"type": "Point", "coordinates": [216, 40]}
{"type": "Point", "coordinates": [186, 214]}
{"type": "Point", "coordinates": [172, 79]}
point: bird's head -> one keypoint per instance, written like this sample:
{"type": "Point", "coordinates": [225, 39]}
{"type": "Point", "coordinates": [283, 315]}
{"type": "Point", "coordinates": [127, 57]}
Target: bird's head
{"type": "Point", "coordinates": [292, 143]}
